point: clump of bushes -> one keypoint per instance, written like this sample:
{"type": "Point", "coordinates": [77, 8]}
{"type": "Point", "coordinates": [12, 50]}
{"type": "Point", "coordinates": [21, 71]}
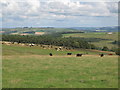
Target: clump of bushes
{"type": "Point", "coordinates": [105, 48]}
{"type": "Point", "coordinates": [117, 51]}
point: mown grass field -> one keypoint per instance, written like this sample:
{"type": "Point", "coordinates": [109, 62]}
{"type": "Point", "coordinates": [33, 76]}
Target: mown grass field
{"type": "Point", "coordinates": [32, 67]}
{"type": "Point", "coordinates": [102, 35]}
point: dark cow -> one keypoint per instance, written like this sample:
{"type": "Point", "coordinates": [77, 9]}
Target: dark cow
{"type": "Point", "coordinates": [55, 48]}
{"type": "Point", "coordinates": [50, 54]}
{"type": "Point", "coordinates": [69, 53]}
{"type": "Point", "coordinates": [101, 55]}
{"type": "Point", "coordinates": [78, 55]}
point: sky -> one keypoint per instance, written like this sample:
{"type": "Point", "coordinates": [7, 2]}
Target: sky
{"type": "Point", "coordinates": [58, 13]}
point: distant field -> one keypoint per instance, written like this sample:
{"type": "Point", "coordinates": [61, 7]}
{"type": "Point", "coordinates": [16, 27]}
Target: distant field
{"type": "Point", "coordinates": [36, 31]}
{"type": "Point", "coordinates": [102, 35]}
{"type": "Point", "coordinates": [32, 67]}
{"type": "Point", "coordinates": [22, 30]}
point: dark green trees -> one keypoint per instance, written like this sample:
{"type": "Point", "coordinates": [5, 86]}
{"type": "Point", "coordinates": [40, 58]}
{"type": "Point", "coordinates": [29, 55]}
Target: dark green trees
{"type": "Point", "coordinates": [57, 40]}
{"type": "Point", "coordinates": [117, 51]}
{"type": "Point", "coordinates": [105, 48]}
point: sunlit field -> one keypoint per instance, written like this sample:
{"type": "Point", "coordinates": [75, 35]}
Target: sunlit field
{"type": "Point", "coordinates": [32, 67]}
{"type": "Point", "coordinates": [102, 35]}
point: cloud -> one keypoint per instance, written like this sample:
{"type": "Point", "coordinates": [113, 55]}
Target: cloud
{"type": "Point", "coordinates": [55, 10]}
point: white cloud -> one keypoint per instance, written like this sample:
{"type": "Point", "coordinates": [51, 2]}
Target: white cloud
{"type": "Point", "coordinates": [34, 6]}
{"type": "Point", "coordinates": [58, 7]}
{"type": "Point", "coordinates": [43, 10]}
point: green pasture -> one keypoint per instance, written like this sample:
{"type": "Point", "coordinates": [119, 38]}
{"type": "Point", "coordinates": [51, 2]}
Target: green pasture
{"type": "Point", "coordinates": [37, 50]}
{"type": "Point", "coordinates": [32, 67]}
{"type": "Point", "coordinates": [102, 35]}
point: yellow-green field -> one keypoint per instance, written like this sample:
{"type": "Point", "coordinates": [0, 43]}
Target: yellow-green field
{"type": "Point", "coordinates": [103, 35]}
{"type": "Point", "coordinates": [32, 67]}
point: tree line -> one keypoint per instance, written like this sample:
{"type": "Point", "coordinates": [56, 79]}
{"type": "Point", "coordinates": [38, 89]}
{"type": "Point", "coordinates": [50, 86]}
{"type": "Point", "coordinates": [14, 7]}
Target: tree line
{"type": "Point", "coordinates": [54, 39]}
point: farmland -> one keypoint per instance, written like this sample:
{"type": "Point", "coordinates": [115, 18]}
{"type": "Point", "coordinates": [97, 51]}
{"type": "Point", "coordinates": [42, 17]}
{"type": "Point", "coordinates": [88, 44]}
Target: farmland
{"type": "Point", "coordinates": [32, 67]}
{"type": "Point", "coordinates": [69, 33]}
{"type": "Point", "coordinates": [59, 44]}
{"type": "Point", "coordinates": [40, 31]}
{"type": "Point", "coordinates": [32, 30]}
{"type": "Point", "coordinates": [102, 35]}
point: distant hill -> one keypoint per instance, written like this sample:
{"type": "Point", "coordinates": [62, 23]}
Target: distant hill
{"type": "Point", "coordinates": [112, 29]}
{"type": "Point", "coordinates": [105, 29]}
{"type": "Point", "coordinates": [49, 30]}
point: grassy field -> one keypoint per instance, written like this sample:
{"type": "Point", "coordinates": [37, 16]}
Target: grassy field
{"type": "Point", "coordinates": [25, 67]}
{"type": "Point", "coordinates": [102, 35]}
{"type": "Point", "coordinates": [26, 50]}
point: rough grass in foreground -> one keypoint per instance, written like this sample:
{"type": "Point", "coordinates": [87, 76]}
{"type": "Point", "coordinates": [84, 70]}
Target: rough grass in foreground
{"type": "Point", "coordinates": [32, 67]}
{"type": "Point", "coordinates": [60, 72]}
